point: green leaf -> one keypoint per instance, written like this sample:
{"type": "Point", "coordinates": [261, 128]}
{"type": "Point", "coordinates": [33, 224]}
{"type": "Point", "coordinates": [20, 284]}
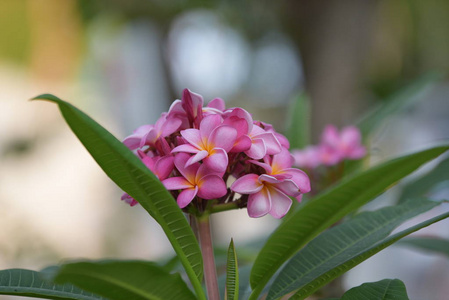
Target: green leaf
{"type": "Point", "coordinates": [430, 244]}
{"type": "Point", "coordinates": [298, 129]}
{"type": "Point", "coordinates": [398, 101]}
{"type": "Point", "coordinates": [425, 183]}
{"type": "Point", "coordinates": [327, 208]}
{"type": "Point", "coordinates": [317, 263]}
{"type": "Point", "coordinates": [387, 289]}
{"type": "Point", "coordinates": [20, 282]}
{"type": "Point", "coordinates": [363, 256]}
{"type": "Point", "coordinates": [232, 274]}
{"type": "Point", "coordinates": [131, 175]}
{"type": "Point", "coordinates": [124, 280]}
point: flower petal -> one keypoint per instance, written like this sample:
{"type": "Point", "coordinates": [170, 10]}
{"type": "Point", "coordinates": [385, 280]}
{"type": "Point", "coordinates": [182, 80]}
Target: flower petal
{"type": "Point", "coordinates": [185, 148]}
{"type": "Point", "coordinates": [259, 204]}
{"type": "Point", "coordinates": [247, 184]}
{"type": "Point", "coordinates": [224, 137]}
{"type": "Point", "coordinates": [300, 178]}
{"type": "Point", "coordinates": [271, 142]}
{"type": "Point", "coordinates": [176, 183]}
{"type": "Point", "coordinates": [186, 196]}
{"type": "Point", "coordinates": [217, 103]}
{"type": "Point", "coordinates": [258, 149]}
{"type": "Point", "coordinates": [197, 157]}
{"type": "Point", "coordinates": [281, 161]}
{"type": "Point", "coordinates": [188, 172]}
{"type": "Point", "coordinates": [164, 166]}
{"type": "Point", "coordinates": [128, 199]}
{"type": "Point", "coordinates": [193, 137]}
{"type": "Point", "coordinates": [208, 124]}
{"type": "Point", "coordinates": [243, 143]}
{"type": "Point", "coordinates": [211, 187]}
{"type": "Point", "coordinates": [217, 160]}
{"type": "Point", "coordinates": [280, 203]}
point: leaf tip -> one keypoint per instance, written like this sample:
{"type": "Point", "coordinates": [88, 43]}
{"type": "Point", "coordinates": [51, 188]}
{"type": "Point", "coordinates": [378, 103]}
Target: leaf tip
{"type": "Point", "coordinates": [47, 97]}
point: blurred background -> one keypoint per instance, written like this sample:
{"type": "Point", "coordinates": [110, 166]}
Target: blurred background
{"type": "Point", "coordinates": [124, 61]}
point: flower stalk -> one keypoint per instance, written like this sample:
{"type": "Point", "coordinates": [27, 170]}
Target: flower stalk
{"type": "Point", "coordinates": [207, 249]}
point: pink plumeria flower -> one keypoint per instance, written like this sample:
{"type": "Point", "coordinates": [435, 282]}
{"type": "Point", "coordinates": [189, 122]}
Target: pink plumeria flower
{"type": "Point", "coordinates": [196, 180]}
{"type": "Point", "coordinates": [280, 165]}
{"type": "Point", "coordinates": [269, 128]}
{"type": "Point", "coordinates": [151, 134]}
{"type": "Point", "coordinates": [251, 139]}
{"type": "Point", "coordinates": [267, 194]}
{"type": "Point", "coordinates": [347, 143]}
{"type": "Point", "coordinates": [210, 143]}
{"type": "Point", "coordinates": [160, 166]}
{"type": "Point", "coordinates": [309, 157]}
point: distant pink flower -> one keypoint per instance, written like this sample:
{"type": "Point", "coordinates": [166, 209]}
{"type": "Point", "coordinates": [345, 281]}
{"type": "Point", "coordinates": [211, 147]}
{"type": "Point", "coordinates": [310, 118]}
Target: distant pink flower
{"type": "Point", "coordinates": [210, 143]}
{"type": "Point", "coordinates": [309, 157]}
{"type": "Point", "coordinates": [196, 180]}
{"type": "Point", "coordinates": [280, 167]}
{"type": "Point", "coordinates": [346, 144]}
{"type": "Point", "coordinates": [267, 195]}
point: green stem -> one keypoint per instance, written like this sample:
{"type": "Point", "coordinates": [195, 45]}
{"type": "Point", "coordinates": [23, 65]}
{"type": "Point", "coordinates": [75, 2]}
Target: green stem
{"type": "Point", "coordinates": [207, 249]}
{"type": "Point", "coordinates": [224, 207]}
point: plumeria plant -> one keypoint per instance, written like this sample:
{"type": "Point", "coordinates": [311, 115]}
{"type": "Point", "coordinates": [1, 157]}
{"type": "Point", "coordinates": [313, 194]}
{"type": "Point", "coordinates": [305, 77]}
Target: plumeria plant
{"type": "Point", "coordinates": [198, 160]}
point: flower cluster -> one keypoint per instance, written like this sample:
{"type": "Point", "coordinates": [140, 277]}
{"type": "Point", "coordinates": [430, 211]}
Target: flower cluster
{"type": "Point", "coordinates": [333, 148]}
{"type": "Point", "coordinates": [195, 150]}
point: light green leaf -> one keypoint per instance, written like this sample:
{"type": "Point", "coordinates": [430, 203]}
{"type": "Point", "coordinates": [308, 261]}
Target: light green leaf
{"type": "Point", "coordinates": [387, 289]}
{"type": "Point", "coordinates": [428, 244]}
{"type": "Point", "coordinates": [131, 175]}
{"type": "Point", "coordinates": [298, 128]}
{"type": "Point", "coordinates": [398, 101]}
{"type": "Point", "coordinates": [20, 282]}
{"type": "Point", "coordinates": [321, 259]}
{"type": "Point", "coordinates": [307, 290]}
{"type": "Point", "coordinates": [124, 280]}
{"type": "Point", "coordinates": [327, 208]}
{"type": "Point", "coordinates": [425, 183]}
{"type": "Point", "coordinates": [232, 274]}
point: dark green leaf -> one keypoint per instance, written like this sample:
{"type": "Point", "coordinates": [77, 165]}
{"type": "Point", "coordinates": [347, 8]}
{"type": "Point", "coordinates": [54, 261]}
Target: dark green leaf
{"type": "Point", "coordinates": [307, 290]}
{"type": "Point", "coordinates": [298, 129]}
{"type": "Point", "coordinates": [317, 263]}
{"type": "Point", "coordinates": [387, 289]}
{"type": "Point", "coordinates": [124, 280]}
{"type": "Point", "coordinates": [131, 175]}
{"type": "Point", "coordinates": [429, 244]}
{"type": "Point", "coordinates": [232, 274]}
{"type": "Point", "coordinates": [327, 208]}
{"type": "Point", "coordinates": [20, 282]}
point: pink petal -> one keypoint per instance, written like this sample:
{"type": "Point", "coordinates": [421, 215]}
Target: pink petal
{"type": "Point", "coordinates": [244, 118]}
{"type": "Point", "coordinates": [134, 140]}
{"type": "Point", "coordinates": [176, 183]}
{"type": "Point", "coordinates": [280, 203]}
{"type": "Point", "coordinates": [217, 103]}
{"type": "Point", "coordinates": [266, 166]}
{"type": "Point", "coordinates": [247, 184]}
{"type": "Point", "coordinates": [208, 124]}
{"type": "Point", "coordinates": [192, 136]}
{"type": "Point", "coordinates": [271, 142]}
{"type": "Point", "coordinates": [128, 199]}
{"type": "Point", "coordinates": [170, 126]}
{"type": "Point", "coordinates": [217, 160]}
{"type": "Point", "coordinates": [357, 153]}
{"type": "Point", "coordinates": [288, 187]}
{"type": "Point", "coordinates": [281, 161]}
{"type": "Point", "coordinates": [186, 196]}
{"type": "Point", "coordinates": [300, 178]}
{"type": "Point", "coordinates": [211, 187]}
{"type": "Point", "coordinates": [259, 204]}
{"type": "Point", "coordinates": [185, 148]}
{"type": "Point", "coordinates": [330, 136]}
{"type": "Point", "coordinates": [269, 179]}
{"type": "Point", "coordinates": [224, 137]}
{"type": "Point", "coordinates": [197, 157]}
{"type": "Point", "coordinates": [258, 149]}
{"type": "Point", "coordinates": [243, 143]}
{"type": "Point", "coordinates": [188, 172]}
{"type": "Point", "coordinates": [164, 166]}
